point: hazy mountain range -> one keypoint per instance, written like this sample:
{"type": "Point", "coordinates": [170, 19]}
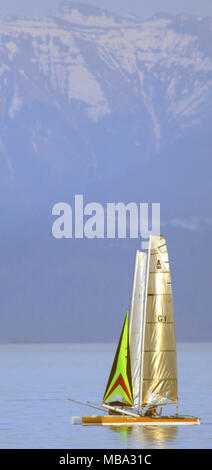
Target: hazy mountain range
{"type": "Point", "coordinates": [114, 108]}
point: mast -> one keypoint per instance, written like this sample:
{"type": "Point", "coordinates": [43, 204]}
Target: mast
{"type": "Point", "coordinates": [136, 322]}
{"type": "Point", "coordinates": [158, 365]}
{"type": "Point", "coordinates": [143, 329]}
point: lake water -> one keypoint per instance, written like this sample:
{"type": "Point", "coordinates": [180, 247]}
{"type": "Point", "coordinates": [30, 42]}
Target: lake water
{"type": "Point", "coordinates": [37, 379]}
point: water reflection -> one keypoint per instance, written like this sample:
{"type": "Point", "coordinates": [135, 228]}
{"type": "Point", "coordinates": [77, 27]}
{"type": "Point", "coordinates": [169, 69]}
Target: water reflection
{"type": "Point", "coordinates": [148, 435]}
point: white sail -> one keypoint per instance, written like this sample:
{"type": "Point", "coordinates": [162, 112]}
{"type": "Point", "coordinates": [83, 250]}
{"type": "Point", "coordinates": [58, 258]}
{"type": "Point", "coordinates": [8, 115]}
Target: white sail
{"type": "Point", "coordinates": [136, 323]}
{"type": "Point", "coordinates": [158, 352]}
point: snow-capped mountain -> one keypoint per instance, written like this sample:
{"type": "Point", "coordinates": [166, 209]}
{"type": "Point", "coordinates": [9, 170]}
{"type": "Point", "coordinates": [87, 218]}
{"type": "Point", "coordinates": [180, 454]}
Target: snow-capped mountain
{"type": "Point", "coordinates": [74, 81]}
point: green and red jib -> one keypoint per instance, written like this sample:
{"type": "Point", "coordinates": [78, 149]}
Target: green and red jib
{"type": "Point", "coordinates": [119, 386]}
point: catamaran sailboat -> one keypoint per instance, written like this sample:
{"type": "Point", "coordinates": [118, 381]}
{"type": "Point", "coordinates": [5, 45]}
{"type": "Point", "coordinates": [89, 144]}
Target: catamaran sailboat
{"type": "Point", "coordinates": [144, 370]}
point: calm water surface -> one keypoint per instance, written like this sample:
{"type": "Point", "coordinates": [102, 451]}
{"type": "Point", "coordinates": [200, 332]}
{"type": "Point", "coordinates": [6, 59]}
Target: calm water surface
{"type": "Point", "coordinates": [36, 381]}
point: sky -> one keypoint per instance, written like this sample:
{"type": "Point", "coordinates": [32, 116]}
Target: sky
{"type": "Point", "coordinates": [48, 289]}
{"type": "Point", "coordinates": [141, 8]}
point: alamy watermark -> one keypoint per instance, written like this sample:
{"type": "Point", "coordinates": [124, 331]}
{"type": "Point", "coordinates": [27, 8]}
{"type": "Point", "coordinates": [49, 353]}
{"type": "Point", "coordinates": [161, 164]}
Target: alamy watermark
{"type": "Point", "coordinates": [111, 220]}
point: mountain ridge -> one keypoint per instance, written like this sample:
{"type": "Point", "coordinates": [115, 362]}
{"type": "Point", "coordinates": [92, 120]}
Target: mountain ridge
{"type": "Point", "coordinates": [159, 71]}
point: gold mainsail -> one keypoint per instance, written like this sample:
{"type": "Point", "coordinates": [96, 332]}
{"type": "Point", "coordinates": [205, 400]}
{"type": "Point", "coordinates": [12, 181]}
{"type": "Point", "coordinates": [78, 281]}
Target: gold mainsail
{"type": "Point", "coordinates": [159, 364]}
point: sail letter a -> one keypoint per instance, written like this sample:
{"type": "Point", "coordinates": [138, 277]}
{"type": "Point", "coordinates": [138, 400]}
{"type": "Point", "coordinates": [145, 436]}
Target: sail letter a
{"type": "Point", "coordinates": [119, 386]}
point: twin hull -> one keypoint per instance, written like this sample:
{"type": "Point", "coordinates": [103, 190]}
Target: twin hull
{"type": "Point", "coordinates": [130, 421]}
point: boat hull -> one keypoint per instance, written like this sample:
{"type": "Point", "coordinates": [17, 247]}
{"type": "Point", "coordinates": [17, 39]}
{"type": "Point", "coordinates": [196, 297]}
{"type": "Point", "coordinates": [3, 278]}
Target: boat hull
{"type": "Point", "coordinates": [131, 421]}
